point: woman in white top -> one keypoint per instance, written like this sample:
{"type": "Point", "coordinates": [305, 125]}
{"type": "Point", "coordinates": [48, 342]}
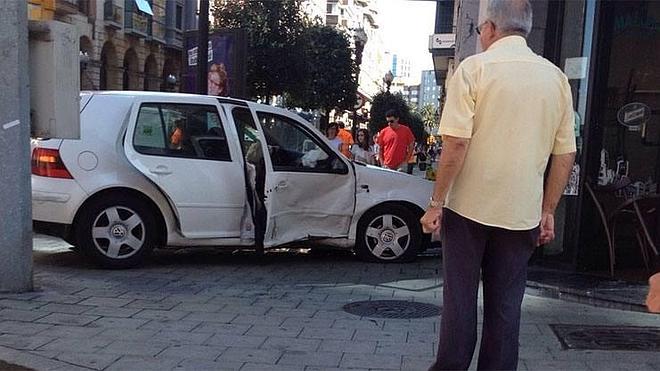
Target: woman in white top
{"type": "Point", "coordinates": [361, 150]}
{"type": "Point", "coordinates": [331, 133]}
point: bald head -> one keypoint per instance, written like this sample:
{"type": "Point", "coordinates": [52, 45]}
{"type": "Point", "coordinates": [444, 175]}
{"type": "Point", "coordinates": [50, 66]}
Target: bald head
{"type": "Point", "coordinates": [510, 17]}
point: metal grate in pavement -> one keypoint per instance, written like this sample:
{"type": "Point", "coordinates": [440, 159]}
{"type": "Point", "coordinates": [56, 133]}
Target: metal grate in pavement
{"type": "Point", "coordinates": [583, 337]}
{"type": "Point", "coordinates": [392, 309]}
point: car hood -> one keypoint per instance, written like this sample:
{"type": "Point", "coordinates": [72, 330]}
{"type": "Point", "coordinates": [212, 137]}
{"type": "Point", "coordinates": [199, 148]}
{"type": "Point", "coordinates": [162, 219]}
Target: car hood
{"type": "Point", "coordinates": [390, 185]}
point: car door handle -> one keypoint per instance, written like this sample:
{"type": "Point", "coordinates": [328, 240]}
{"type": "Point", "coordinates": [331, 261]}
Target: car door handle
{"type": "Point", "coordinates": [161, 170]}
{"type": "Point", "coordinates": [282, 185]}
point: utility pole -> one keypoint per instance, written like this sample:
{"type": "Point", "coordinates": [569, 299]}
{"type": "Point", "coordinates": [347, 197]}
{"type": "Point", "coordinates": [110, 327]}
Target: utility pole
{"type": "Point", "coordinates": [15, 191]}
{"type": "Point", "coordinates": [202, 47]}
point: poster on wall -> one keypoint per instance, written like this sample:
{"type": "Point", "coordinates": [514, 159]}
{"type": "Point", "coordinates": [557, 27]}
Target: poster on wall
{"type": "Point", "coordinates": [226, 63]}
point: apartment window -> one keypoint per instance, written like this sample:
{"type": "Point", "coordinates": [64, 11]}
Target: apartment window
{"type": "Point", "coordinates": [330, 8]}
{"type": "Point", "coordinates": [179, 17]}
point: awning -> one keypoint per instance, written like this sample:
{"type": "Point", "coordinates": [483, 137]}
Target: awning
{"type": "Point", "coordinates": [144, 6]}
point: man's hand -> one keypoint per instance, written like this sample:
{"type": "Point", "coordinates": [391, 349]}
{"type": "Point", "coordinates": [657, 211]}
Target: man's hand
{"type": "Point", "coordinates": [432, 220]}
{"type": "Point", "coordinates": [547, 229]}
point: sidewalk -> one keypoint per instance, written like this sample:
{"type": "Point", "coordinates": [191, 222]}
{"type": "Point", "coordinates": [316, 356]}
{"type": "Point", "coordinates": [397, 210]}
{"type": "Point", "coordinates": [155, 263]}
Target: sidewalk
{"type": "Point", "coordinates": [207, 310]}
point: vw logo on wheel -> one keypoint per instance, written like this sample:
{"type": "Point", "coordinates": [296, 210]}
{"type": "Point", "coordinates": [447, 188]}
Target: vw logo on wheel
{"type": "Point", "coordinates": [118, 231]}
{"type": "Point", "coordinates": [387, 236]}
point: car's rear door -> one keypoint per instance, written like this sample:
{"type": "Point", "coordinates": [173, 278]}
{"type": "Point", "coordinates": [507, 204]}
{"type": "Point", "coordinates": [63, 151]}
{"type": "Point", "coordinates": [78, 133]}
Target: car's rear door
{"type": "Point", "coordinates": [184, 146]}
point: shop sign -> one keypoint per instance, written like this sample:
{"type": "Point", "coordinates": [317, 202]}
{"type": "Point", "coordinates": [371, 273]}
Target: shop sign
{"type": "Point", "coordinates": [442, 41]}
{"type": "Point", "coordinates": [634, 115]}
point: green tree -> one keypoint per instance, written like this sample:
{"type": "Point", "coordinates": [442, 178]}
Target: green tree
{"type": "Point", "coordinates": [331, 69]}
{"type": "Point", "coordinates": [430, 117]}
{"type": "Point", "coordinates": [385, 101]}
{"type": "Point", "coordinates": [275, 62]}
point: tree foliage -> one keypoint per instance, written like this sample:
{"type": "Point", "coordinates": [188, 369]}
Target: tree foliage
{"type": "Point", "coordinates": [385, 101]}
{"type": "Point", "coordinates": [431, 118]}
{"type": "Point", "coordinates": [275, 62]}
{"type": "Point", "coordinates": [332, 72]}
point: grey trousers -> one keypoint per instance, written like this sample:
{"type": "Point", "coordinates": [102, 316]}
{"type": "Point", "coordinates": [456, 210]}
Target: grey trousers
{"type": "Point", "coordinates": [499, 257]}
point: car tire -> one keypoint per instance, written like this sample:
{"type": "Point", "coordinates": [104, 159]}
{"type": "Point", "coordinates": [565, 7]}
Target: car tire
{"type": "Point", "coordinates": [388, 234]}
{"type": "Point", "coordinates": [116, 231]}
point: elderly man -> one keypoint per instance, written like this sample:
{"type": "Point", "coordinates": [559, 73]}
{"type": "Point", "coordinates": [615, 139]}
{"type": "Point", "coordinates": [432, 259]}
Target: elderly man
{"type": "Point", "coordinates": [508, 112]}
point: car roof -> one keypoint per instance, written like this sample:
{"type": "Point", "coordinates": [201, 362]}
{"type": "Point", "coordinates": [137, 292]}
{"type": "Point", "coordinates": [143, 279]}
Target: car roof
{"type": "Point", "coordinates": [136, 93]}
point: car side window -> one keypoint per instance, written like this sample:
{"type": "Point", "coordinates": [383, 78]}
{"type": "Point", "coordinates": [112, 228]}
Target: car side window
{"type": "Point", "coordinates": [292, 148]}
{"type": "Point", "coordinates": [181, 130]}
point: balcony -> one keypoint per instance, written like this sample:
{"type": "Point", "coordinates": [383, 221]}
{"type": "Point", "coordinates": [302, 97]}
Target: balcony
{"type": "Point", "coordinates": [136, 23]}
{"type": "Point", "coordinates": [65, 7]}
{"type": "Point", "coordinates": [157, 24]}
{"type": "Point", "coordinates": [174, 38]}
{"type": "Point", "coordinates": [113, 14]}
{"type": "Point", "coordinates": [331, 20]}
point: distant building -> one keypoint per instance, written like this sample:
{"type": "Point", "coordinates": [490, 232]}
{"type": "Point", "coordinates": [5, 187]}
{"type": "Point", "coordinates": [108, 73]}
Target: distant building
{"type": "Point", "coordinates": [429, 91]}
{"type": "Point", "coordinates": [411, 93]}
{"type": "Point", "coordinates": [401, 66]}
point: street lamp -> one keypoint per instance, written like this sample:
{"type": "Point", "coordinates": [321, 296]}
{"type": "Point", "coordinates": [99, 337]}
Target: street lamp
{"type": "Point", "coordinates": [388, 80]}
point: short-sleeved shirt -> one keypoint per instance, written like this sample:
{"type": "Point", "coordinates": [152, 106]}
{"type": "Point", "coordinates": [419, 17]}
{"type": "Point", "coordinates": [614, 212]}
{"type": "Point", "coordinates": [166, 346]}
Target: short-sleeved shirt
{"type": "Point", "coordinates": [517, 109]}
{"type": "Point", "coordinates": [394, 144]}
{"type": "Point", "coordinates": [347, 140]}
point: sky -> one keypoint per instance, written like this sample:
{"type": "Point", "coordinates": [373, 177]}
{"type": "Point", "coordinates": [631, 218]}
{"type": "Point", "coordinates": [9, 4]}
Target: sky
{"type": "Point", "coordinates": [406, 26]}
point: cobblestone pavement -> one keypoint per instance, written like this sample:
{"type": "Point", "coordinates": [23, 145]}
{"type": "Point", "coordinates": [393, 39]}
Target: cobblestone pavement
{"type": "Point", "coordinates": [210, 310]}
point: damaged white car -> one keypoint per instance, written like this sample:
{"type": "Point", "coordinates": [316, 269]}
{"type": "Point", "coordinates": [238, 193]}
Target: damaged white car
{"type": "Point", "coordinates": [177, 170]}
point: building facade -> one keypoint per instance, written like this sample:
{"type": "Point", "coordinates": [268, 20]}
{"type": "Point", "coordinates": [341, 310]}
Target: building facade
{"type": "Point", "coordinates": [125, 44]}
{"type": "Point", "coordinates": [429, 90]}
{"type": "Point", "coordinates": [608, 50]}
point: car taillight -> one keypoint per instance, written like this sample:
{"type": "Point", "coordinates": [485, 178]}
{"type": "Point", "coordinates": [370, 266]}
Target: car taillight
{"type": "Point", "coordinates": [47, 162]}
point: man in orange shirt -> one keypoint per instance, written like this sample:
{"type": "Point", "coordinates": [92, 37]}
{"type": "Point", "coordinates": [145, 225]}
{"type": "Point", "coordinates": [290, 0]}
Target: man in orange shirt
{"type": "Point", "coordinates": [396, 143]}
{"type": "Point", "coordinates": [346, 139]}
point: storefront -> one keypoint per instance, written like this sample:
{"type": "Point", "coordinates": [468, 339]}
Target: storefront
{"type": "Point", "coordinates": [610, 52]}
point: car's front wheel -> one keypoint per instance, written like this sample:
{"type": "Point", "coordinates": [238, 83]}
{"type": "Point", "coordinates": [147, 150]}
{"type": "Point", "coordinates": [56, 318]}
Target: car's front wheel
{"type": "Point", "coordinates": [116, 232]}
{"type": "Point", "coordinates": [388, 234]}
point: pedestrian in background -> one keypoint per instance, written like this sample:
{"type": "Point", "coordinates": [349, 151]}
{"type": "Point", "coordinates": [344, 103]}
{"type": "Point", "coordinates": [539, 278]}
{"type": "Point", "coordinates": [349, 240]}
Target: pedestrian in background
{"type": "Point", "coordinates": [346, 139]}
{"type": "Point", "coordinates": [362, 150]}
{"type": "Point", "coordinates": [331, 133]}
{"type": "Point", "coordinates": [395, 143]}
{"type": "Point", "coordinates": [508, 111]}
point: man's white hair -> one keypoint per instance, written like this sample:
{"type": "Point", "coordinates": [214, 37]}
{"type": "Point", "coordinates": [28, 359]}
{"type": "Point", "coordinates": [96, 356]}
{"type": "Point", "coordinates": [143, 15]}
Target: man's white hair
{"type": "Point", "coordinates": [511, 16]}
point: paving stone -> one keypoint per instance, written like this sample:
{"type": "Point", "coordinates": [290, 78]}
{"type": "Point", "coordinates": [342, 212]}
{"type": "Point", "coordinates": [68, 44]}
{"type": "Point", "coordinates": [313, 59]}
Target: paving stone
{"type": "Point", "coordinates": [65, 308]}
{"type": "Point", "coordinates": [229, 340]}
{"type": "Point", "coordinates": [143, 363]}
{"type": "Point", "coordinates": [223, 328]}
{"type": "Point", "coordinates": [266, 367]}
{"type": "Point", "coordinates": [371, 361]}
{"type": "Point", "coordinates": [308, 322]}
{"type": "Point", "coordinates": [104, 293]}
{"type": "Point", "coordinates": [267, 356]}
{"type": "Point", "coordinates": [198, 307]}
{"type": "Point", "coordinates": [281, 331]}
{"type": "Point", "coordinates": [348, 346]}
{"type": "Point", "coordinates": [310, 358]}
{"type": "Point", "coordinates": [24, 342]}
{"type": "Point", "coordinates": [555, 365]}
{"type": "Point", "coordinates": [327, 333]}
{"type": "Point", "coordinates": [68, 319]}
{"type": "Point", "coordinates": [258, 320]}
{"type": "Point", "coordinates": [211, 317]}
{"type": "Point", "coordinates": [80, 345]}
{"type": "Point", "coordinates": [189, 351]}
{"type": "Point", "coordinates": [250, 310]}
{"type": "Point", "coordinates": [106, 302]}
{"type": "Point", "coordinates": [405, 349]}
{"type": "Point", "coordinates": [149, 304]}
{"type": "Point", "coordinates": [168, 315]}
{"type": "Point", "coordinates": [182, 337]}
{"type": "Point", "coordinates": [113, 322]}
{"type": "Point", "coordinates": [21, 315]}
{"type": "Point", "coordinates": [288, 312]}
{"type": "Point", "coordinates": [289, 344]}
{"type": "Point", "coordinates": [205, 365]}
{"type": "Point", "coordinates": [22, 328]}
{"type": "Point", "coordinates": [113, 312]}
{"type": "Point", "coordinates": [398, 337]}
{"type": "Point", "coordinates": [365, 324]}
{"type": "Point", "coordinates": [20, 304]}
{"type": "Point", "coordinates": [53, 297]}
{"type": "Point", "coordinates": [416, 363]}
{"type": "Point", "coordinates": [64, 331]}
{"type": "Point", "coordinates": [95, 361]}
{"type": "Point", "coordinates": [135, 348]}
{"type": "Point", "coordinates": [181, 325]}
{"type": "Point", "coordinates": [611, 366]}
{"type": "Point", "coordinates": [127, 334]}
{"type": "Point", "coordinates": [143, 296]}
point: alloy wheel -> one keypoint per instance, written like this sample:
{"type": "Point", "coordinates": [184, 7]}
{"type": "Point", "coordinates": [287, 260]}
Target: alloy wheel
{"type": "Point", "coordinates": [387, 237]}
{"type": "Point", "coordinates": [118, 232]}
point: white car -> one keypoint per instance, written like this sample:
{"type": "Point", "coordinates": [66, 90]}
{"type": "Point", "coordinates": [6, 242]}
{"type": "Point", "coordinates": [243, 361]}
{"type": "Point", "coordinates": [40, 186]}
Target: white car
{"type": "Point", "coordinates": [175, 170]}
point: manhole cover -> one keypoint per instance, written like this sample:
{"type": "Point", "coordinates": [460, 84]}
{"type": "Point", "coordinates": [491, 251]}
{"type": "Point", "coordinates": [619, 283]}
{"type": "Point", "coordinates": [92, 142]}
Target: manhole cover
{"type": "Point", "coordinates": [608, 337]}
{"type": "Point", "coordinates": [392, 309]}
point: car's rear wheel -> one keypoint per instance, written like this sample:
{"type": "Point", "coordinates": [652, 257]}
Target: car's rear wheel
{"type": "Point", "coordinates": [388, 234]}
{"type": "Point", "coordinates": [116, 231]}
